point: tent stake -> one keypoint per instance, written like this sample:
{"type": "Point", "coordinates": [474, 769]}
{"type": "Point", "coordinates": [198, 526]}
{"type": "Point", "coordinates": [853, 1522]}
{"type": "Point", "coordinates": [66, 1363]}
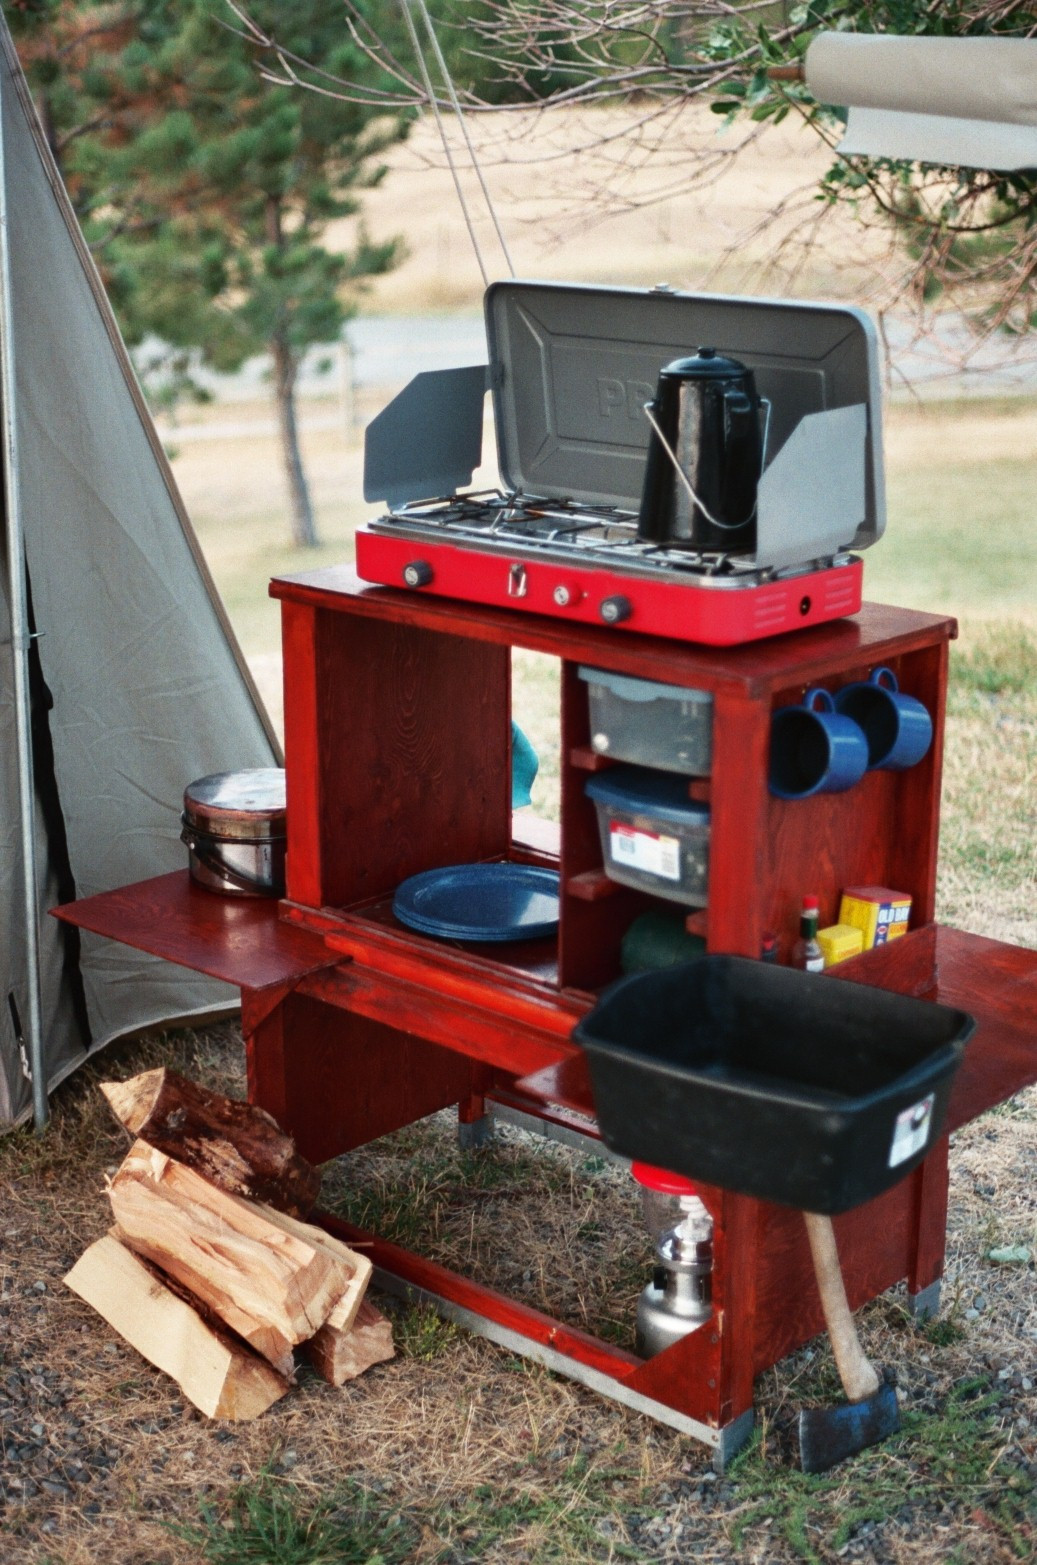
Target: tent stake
{"type": "Point", "coordinates": [20, 643]}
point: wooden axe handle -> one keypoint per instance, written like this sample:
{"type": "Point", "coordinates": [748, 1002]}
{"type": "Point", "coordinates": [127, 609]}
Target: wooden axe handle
{"type": "Point", "coordinates": [857, 1373]}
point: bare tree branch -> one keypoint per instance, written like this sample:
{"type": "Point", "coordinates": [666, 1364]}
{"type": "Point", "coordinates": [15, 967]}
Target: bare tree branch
{"type": "Point", "coordinates": [967, 236]}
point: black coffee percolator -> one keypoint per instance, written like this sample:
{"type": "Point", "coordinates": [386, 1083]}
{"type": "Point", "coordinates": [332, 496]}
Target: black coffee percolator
{"type": "Point", "coordinates": [705, 456]}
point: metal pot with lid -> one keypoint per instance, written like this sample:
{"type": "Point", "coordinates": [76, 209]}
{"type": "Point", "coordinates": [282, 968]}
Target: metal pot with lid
{"type": "Point", "coordinates": [705, 456]}
{"type": "Point", "coordinates": [234, 824]}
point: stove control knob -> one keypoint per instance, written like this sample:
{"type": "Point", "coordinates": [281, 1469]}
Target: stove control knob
{"type": "Point", "coordinates": [615, 610]}
{"type": "Point", "coordinates": [418, 573]}
{"type": "Point", "coordinates": [565, 595]}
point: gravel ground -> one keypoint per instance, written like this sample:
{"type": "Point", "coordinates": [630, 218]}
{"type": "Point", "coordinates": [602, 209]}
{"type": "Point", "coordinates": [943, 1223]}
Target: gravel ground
{"type": "Point", "coordinates": [100, 1455]}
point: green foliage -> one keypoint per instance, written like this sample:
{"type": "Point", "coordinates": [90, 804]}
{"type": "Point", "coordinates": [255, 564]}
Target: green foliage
{"type": "Point", "coordinates": [961, 1447]}
{"type": "Point", "coordinates": [203, 190]}
{"type": "Point", "coordinates": [270, 1522]}
{"type": "Point", "coordinates": [942, 1331]}
{"type": "Point", "coordinates": [208, 196]}
{"type": "Point", "coordinates": [422, 1334]}
{"type": "Point", "coordinates": [968, 230]}
{"type": "Point", "coordinates": [965, 229]}
{"type": "Point", "coordinates": [552, 1516]}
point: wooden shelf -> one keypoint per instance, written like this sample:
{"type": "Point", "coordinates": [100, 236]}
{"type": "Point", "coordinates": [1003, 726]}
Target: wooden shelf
{"type": "Point", "coordinates": [585, 759]}
{"type": "Point", "coordinates": [372, 934]}
{"type": "Point", "coordinates": [994, 982]}
{"type": "Point", "coordinates": [591, 886]}
{"type": "Point", "coordinates": [756, 669]}
{"type": "Point", "coordinates": [239, 939]}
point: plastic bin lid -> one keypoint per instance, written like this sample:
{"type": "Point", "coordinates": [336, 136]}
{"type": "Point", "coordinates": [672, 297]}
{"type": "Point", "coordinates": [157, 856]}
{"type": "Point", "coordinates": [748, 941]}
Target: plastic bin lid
{"type": "Point", "coordinates": [629, 689]}
{"type": "Point", "coordinates": [637, 790]}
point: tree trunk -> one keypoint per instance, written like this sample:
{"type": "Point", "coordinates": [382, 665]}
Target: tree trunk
{"type": "Point", "coordinates": [304, 529]}
{"type": "Point", "coordinates": [286, 368]}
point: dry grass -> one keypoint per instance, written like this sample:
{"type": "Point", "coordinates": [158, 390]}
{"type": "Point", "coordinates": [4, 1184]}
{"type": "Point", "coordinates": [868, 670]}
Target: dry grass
{"type": "Point", "coordinates": [479, 1456]}
{"type": "Point", "coordinates": [572, 215]}
{"type": "Point", "coordinates": [540, 1222]}
{"type": "Point", "coordinates": [425, 1432]}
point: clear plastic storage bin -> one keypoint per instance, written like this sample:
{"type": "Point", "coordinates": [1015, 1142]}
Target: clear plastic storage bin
{"type": "Point", "coordinates": [653, 836]}
{"type": "Point", "coordinates": [649, 723]}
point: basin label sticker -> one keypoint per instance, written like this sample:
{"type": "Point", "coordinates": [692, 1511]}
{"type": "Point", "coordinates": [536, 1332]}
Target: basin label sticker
{"type": "Point", "coordinates": [911, 1131]}
{"type": "Point", "coordinates": [647, 851]}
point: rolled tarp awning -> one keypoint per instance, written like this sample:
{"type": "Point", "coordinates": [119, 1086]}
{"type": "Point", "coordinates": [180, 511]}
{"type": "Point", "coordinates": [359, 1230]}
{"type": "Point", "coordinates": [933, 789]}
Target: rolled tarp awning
{"type": "Point", "coordinates": [959, 101]}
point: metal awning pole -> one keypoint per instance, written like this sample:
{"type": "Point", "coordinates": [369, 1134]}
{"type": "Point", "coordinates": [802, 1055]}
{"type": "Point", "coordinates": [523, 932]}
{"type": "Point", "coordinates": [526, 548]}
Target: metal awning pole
{"type": "Point", "coordinates": [20, 644]}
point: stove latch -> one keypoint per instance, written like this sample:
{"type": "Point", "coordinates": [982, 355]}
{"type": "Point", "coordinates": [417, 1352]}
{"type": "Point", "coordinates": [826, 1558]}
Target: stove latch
{"type": "Point", "coordinates": [518, 581]}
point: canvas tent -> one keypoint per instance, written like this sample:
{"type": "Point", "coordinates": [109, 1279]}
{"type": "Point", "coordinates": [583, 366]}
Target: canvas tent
{"type": "Point", "coordinates": [118, 670]}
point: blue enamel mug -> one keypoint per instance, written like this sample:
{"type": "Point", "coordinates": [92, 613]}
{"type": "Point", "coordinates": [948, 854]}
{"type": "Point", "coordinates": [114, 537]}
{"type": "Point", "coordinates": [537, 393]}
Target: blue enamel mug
{"type": "Point", "coordinates": [815, 749]}
{"type": "Point", "coordinates": [898, 727]}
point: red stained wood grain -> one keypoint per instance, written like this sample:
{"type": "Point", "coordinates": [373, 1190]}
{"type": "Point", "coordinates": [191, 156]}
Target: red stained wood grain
{"type": "Point", "coordinates": [335, 1079]}
{"type": "Point", "coordinates": [239, 939]}
{"type": "Point", "coordinates": [758, 668]}
{"type": "Point", "coordinates": [993, 981]}
{"type": "Point", "coordinates": [514, 1044]}
{"type": "Point", "coordinates": [397, 755]}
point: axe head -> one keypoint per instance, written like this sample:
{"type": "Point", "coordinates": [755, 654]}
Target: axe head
{"type": "Point", "coordinates": [828, 1435]}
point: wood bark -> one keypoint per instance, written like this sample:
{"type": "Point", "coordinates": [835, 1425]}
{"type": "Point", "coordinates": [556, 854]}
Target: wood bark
{"type": "Point", "coordinates": [236, 1146]}
{"type": "Point", "coordinates": [340, 1352]}
{"type": "Point", "coordinates": [274, 1285]}
{"type": "Point", "coordinates": [286, 370]}
{"type": "Point", "coordinates": [220, 1376]}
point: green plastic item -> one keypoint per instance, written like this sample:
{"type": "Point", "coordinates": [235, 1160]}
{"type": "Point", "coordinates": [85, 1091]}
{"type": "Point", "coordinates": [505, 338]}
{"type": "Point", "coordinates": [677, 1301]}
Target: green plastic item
{"type": "Point", "coordinates": [658, 940]}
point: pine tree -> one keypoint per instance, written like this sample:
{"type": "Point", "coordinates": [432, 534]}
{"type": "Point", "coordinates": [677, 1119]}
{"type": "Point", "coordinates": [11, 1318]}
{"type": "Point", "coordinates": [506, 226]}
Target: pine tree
{"type": "Point", "coordinates": [203, 191]}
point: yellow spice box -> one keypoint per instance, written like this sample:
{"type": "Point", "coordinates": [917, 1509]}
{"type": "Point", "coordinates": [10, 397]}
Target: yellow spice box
{"type": "Point", "coordinates": [839, 942]}
{"type": "Point", "coordinates": [881, 914]}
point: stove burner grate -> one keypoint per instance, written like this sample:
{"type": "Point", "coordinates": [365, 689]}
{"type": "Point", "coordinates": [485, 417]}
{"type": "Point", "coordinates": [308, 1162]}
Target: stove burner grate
{"type": "Point", "coordinates": [605, 535]}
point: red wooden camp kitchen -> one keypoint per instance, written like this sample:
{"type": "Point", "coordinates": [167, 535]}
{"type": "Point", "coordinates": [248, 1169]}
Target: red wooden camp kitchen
{"type": "Point", "coordinates": [397, 733]}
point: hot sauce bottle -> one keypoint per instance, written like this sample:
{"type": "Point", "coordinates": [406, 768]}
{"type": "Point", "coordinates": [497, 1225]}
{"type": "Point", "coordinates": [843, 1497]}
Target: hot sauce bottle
{"type": "Point", "coordinates": [806, 953]}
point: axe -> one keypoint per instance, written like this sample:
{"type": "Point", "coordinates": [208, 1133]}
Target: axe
{"type": "Point", "coordinates": [828, 1435]}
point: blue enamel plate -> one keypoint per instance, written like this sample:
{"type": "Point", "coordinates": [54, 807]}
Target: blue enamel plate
{"type": "Point", "coordinates": [480, 902]}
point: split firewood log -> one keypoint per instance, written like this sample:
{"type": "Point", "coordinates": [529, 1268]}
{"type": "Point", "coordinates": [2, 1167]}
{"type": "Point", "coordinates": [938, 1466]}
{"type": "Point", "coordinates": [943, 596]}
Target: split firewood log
{"type": "Point", "coordinates": [218, 1374]}
{"type": "Point", "coordinates": [274, 1285]}
{"type": "Point", "coordinates": [339, 1352]}
{"type": "Point", "coordinates": [346, 1308]}
{"type": "Point", "coordinates": [237, 1146]}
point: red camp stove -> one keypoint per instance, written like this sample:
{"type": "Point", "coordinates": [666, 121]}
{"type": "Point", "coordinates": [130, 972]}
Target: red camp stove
{"type": "Point", "coordinates": [562, 558]}
{"type": "Point", "coordinates": [570, 372]}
